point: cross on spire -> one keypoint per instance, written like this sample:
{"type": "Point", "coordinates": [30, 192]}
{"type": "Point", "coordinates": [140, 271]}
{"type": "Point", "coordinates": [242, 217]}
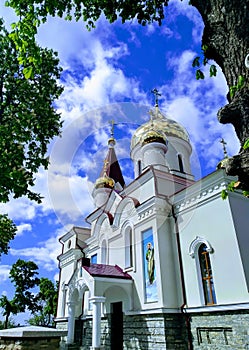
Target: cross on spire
{"type": "Point", "coordinates": [224, 147]}
{"type": "Point", "coordinates": [112, 123]}
{"type": "Point", "coordinates": [111, 141]}
{"type": "Point", "coordinates": [156, 93]}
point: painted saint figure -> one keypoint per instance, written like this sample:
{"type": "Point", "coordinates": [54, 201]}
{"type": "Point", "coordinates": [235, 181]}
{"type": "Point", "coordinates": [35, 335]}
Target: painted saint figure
{"type": "Point", "coordinates": [150, 262]}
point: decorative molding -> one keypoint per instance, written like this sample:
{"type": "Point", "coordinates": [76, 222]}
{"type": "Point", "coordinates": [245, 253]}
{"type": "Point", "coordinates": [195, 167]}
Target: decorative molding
{"type": "Point", "coordinates": [154, 206]}
{"type": "Point", "coordinates": [196, 243]}
{"type": "Point", "coordinates": [217, 307]}
{"type": "Point", "coordinates": [78, 284]}
{"type": "Point", "coordinates": [70, 256]}
{"type": "Point", "coordinates": [200, 195]}
{"type": "Point", "coordinates": [121, 213]}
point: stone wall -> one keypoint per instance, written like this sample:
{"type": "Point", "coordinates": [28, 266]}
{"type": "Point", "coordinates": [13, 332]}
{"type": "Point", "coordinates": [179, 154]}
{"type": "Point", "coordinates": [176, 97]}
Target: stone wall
{"type": "Point", "coordinates": [220, 330]}
{"type": "Point", "coordinates": [142, 332]}
{"type": "Point", "coordinates": [30, 344]}
{"type": "Point", "coordinates": [155, 332]}
{"type": "Point", "coordinates": [210, 331]}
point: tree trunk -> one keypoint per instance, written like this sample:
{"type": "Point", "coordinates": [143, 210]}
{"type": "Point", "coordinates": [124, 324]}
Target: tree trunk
{"type": "Point", "coordinates": [6, 320]}
{"type": "Point", "coordinates": [226, 41]}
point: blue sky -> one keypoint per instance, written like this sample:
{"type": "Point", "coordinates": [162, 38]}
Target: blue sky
{"type": "Point", "coordinates": [108, 74]}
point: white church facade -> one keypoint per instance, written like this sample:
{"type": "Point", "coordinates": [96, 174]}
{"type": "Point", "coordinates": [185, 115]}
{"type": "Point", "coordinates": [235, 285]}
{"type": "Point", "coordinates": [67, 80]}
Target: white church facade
{"type": "Point", "coordinates": [165, 261]}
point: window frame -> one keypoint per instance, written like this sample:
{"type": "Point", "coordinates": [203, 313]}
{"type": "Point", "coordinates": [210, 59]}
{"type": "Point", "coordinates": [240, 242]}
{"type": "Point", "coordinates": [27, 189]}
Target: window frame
{"type": "Point", "coordinates": [128, 233]}
{"type": "Point", "coordinates": [206, 275]}
{"type": "Point", "coordinates": [194, 253]}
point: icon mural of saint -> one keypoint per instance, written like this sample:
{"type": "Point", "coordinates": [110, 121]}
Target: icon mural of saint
{"type": "Point", "coordinates": [150, 262]}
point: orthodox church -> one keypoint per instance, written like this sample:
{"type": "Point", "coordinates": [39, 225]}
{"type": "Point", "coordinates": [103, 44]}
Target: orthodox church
{"type": "Point", "coordinates": [165, 262]}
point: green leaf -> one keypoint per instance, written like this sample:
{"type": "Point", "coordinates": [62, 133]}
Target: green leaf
{"type": "Point", "coordinates": [199, 74]}
{"type": "Point", "coordinates": [28, 72]}
{"type": "Point", "coordinates": [241, 82]}
{"type": "Point", "coordinates": [213, 70]}
{"type": "Point", "coordinates": [230, 186]}
{"type": "Point", "coordinates": [224, 194]}
{"type": "Point", "coordinates": [232, 91]}
{"type": "Point", "coordinates": [204, 48]}
{"type": "Point", "coordinates": [196, 62]}
{"type": "Point", "coordinates": [246, 144]}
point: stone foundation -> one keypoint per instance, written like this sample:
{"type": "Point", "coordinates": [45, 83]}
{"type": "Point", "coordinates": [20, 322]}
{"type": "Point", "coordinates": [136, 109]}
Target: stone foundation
{"type": "Point", "coordinates": [155, 332]}
{"type": "Point", "coordinates": [140, 332]}
{"type": "Point", "coordinates": [220, 330]}
{"type": "Point", "coordinates": [210, 331]}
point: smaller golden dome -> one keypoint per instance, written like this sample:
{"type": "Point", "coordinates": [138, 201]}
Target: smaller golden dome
{"type": "Point", "coordinates": [222, 164]}
{"type": "Point", "coordinates": [104, 182]}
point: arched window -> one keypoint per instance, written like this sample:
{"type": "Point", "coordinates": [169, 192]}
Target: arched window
{"type": "Point", "coordinates": [206, 275]}
{"type": "Point", "coordinates": [128, 247]}
{"type": "Point", "coordinates": [94, 259]}
{"type": "Point", "coordinates": [139, 165]}
{"type": "Point", "coordinates": [180, 162]}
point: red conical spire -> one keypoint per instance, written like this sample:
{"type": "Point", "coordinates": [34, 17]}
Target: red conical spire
{"type": "Point", "coordinates": [112, 169]}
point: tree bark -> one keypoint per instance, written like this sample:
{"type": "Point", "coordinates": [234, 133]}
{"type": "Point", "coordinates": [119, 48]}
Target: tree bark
{"type": "Point", "coordinates": [6, 320]}
{"type": "Point", "coordinates": [226, 41]}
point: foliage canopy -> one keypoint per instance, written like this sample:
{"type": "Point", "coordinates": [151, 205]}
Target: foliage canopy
{"type": "Point", "coordinates": [23, 274]}
{"type": "Point", "coordinates": [42, 303]}
{"type": "Point", "coordinates": [28, 120]}
{"type": "Point", "coordinates": [7, 233]}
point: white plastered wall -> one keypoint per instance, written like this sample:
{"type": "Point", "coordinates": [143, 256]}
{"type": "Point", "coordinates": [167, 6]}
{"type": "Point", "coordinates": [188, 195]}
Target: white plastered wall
{"type": "Point", "coordinates": [211, 220]}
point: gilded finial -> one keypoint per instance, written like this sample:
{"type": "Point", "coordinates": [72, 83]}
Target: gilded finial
{"type": "Point", "coordinates": [224, 147]}
{"type": "Point", "coordinates": [111, 141]}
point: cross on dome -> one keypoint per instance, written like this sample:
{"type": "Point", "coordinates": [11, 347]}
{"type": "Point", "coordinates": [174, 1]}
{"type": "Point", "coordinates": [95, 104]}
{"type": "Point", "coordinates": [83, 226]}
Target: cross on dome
{"type": "Point", "coordinates": [156, 93]}
{"type": "Point", "coordinates": [224, 147]}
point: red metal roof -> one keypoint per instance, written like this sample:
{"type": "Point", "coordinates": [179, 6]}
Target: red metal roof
{"type": "Point", "coordinates": [110, 271]}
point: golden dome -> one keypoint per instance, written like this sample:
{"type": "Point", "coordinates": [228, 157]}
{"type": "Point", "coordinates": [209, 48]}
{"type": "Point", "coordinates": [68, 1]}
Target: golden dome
{"type": "Point", "coordinates": [161, 124]}
{"type": "Point", "coordinates": [104, 182]}
{"type": "Point", "coordinates": [152, 135]}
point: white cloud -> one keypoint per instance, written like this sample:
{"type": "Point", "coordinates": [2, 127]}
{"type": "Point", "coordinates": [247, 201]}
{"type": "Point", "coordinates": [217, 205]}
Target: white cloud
{"type": "Point", "coordinates": [22, 228]}
{"type": "Point", "coordinates": [19, 209]}
{"type": "Point", "coordinates": [4, 272]}
{"type": "Point", "coordinates": [56, 277]}
{"type": "Point", "coordinates": [183, 96]}
{"type": "Point", "coordinates": [45, 253]}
